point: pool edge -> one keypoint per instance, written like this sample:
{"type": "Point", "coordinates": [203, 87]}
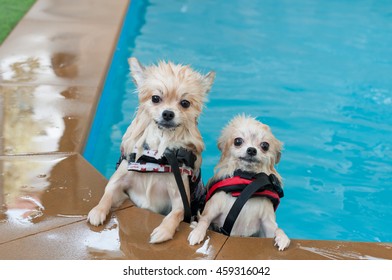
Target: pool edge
{"type": "Point", "coordinates": [300, 249]}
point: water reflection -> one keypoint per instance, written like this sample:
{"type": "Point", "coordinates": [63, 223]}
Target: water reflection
{"type": "Point", "coordinates": [65, 65]}
{"type": "Point", "coordinates": [21, 70]}
{"type": "Point", "coordinates": [177, 248]}
{"type": "Point", "coordinates": [36, 189]}
{"type": "Point", "coordinates": [127, 234]}
{"type": "Point", "coordinates": [30, 121]}
{"type": "Point", "coordinates": [339, 253]}
{"type": "Point", "coordinates": [105, 243]}
{"type": "Point", "coordinates": [24, 183]}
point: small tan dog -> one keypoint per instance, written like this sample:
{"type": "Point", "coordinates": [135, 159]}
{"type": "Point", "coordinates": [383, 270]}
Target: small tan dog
{"type": "Point", "coordinates": [248, 147]}
{"type": "Point", "coordinates": [171, 98]}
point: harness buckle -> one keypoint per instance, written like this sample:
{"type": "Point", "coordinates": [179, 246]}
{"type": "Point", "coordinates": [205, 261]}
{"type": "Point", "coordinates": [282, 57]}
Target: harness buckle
{"type": "Point", "coordinates": [183, 156]}
{"type": "Point", "coordinates": [274, 180]}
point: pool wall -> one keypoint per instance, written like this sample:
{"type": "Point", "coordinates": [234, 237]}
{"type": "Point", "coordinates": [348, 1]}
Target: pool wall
{"type": "Point", "coordinates": [52, 70]}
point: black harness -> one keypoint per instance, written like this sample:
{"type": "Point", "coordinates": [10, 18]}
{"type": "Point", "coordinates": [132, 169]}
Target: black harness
{"type": "Point", "coordinates": [244, 185]}
{"type": "Point", "coordinates": [177, 161]}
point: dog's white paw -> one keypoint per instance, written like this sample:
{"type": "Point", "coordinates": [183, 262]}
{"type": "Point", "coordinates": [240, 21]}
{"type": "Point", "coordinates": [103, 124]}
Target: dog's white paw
{"type": "Point", "coordinates": [281, 240]}
{"type": "Point", "coordinates": [196, 236]}
{"type": "Point", "coordinates": [160, 234]}
{"type": "Point", "coordinates": [96, 216]}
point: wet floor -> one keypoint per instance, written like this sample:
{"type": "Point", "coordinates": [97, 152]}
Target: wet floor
{"type": "Point", "coordinates": [52, 68]}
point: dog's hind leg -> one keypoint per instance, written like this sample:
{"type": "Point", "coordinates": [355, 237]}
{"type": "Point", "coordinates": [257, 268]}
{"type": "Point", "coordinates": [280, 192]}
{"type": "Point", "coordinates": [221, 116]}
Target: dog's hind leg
{"type": "Point", "coordinates": [113, 197]}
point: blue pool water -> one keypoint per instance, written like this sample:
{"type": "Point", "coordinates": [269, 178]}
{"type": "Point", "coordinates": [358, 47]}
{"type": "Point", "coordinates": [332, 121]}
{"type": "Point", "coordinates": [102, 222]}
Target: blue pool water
{"type": "Point", "coordinates": [318, 72]}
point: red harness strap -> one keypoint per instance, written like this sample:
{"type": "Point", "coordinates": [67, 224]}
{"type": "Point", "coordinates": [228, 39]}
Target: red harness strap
{"type": "Point", "coordinates": [236, 180]}
{"type": "Point", "coordinates": [236, 184]}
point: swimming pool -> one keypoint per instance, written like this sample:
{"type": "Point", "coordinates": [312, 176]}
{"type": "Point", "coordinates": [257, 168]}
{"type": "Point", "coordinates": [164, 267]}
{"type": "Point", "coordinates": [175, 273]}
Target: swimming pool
{"type": "Point", "coordinates": [317, 72]}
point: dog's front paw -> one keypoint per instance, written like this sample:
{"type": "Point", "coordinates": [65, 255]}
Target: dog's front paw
{"type": "Point", "coordinates": [96, 216]}
{"type": "Point", "coordinates": [196, 236]}
{"type": "Point", "coordinates": [160, 234]}
{"type": "Point", "coordinates": [281, 240]}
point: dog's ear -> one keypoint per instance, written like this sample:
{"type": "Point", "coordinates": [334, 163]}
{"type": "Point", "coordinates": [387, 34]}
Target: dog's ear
{"type": "Point", "coordinates": [278, 155]}
{"type": "Point", "coordinates": [274, 161]}
{"type": "Point", "coordinates": [224, 144]}
{"type": "Point", "coordinates": [221, 145]}
{"type": "Point", "coordinates": [223, 148]}
{"type": "Point", "coordinates": [279, 147]}
{"type": "Point", "coordinates": [137, 71]}
{"type": "Point", "coordinates": [208, 80]}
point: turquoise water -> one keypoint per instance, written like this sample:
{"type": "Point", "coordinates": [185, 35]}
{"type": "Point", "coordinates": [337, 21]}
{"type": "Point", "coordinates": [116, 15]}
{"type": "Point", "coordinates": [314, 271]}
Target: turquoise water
{"type": "Point", "coordinates": [318, 72]}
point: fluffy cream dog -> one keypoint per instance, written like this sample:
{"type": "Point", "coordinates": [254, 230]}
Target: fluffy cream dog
{"type": "Point", "coordinates": [171, 98]}
{"type": "Point", "coordinates": [246, 145]}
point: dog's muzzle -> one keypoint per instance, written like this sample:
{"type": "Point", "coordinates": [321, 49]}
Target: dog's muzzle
{"type": "Point", "coordinates": [249, 159]}
{"type": "Point", "coordinates": [162, 124]}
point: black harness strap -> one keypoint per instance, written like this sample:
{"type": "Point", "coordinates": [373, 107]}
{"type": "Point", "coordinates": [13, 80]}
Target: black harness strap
{"type": "Point", "coordinates": [174, 158]}
{"type": "Point", "coordinates": [262, 180]}
{"type": "Point", "coordinates": [171, 156]}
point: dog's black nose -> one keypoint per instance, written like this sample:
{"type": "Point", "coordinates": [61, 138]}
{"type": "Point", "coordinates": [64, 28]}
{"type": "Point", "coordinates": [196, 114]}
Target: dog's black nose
{"type": "Point", "coordinates": [168, 115]}
{"type": "Point", "coordinates": [251, 151]}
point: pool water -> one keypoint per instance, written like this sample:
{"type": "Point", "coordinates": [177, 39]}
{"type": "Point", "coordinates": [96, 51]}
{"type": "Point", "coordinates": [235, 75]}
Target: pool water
{"type": "Point", "coordinates": [317, 72]}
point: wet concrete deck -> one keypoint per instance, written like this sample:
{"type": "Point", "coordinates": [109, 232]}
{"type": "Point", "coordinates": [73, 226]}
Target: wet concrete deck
{"type": "Point", "coordinates": [52, 68]}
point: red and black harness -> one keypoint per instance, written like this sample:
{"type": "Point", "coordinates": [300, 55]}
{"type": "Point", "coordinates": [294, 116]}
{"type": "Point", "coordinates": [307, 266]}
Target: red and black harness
{"type": "Point", "coordinates": [177, 161]}
{"type": "Point", "coordinates": [245, 185]}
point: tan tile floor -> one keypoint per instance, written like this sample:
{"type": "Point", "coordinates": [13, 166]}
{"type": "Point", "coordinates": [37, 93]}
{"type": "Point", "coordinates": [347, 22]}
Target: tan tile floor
{"type": "Point", "coordinates": [52, 67]}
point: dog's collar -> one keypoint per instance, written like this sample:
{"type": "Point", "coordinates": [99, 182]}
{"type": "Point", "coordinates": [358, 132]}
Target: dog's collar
{"type": "Point", "coordinates": [234, 185]}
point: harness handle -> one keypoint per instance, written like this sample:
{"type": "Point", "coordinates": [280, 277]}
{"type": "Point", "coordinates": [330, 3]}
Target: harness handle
{"type": "Point", "coordinates": [261, 181]}
{"type": "Point", "coordinates": [171, 156]}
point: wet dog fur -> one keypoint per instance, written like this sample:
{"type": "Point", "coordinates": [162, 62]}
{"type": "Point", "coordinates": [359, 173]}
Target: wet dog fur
{"type": "Point", "coordinates": [171, 98]}
{"type": "Point", "coordinates": [249, 145]}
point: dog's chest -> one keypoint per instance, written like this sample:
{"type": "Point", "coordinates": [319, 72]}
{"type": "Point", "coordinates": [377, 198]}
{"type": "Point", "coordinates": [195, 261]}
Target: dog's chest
{"type": "Point", "coordinates": [248, 222]}
{"type": "Point", "coordinates": [151, 190]}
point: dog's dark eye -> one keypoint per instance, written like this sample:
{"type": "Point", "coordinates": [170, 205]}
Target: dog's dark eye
{"type": "Point", "coordinates": [156, 99]}
{"type": "Point", "coordinates": [238, 141]}
{"type": "Point", "coordinates": [185, 103]}
{"type": "Point", "coordinates": [264, 146]}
